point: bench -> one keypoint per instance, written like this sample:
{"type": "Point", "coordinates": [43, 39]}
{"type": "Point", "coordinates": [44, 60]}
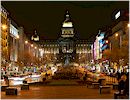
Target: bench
{"type": "Point", "coordinates": [115, 86]}
{"type": "Point", "coordinates": [11, 91]}
{"type": "Point", "coordinates": [3, 88]}
{"type": "Point", "coordinates": [25, 87]}
{"type": "Point", "coordinates": [118, 95]}
{"type": "Point", "coordinates": [106, 89]}
{"type": "Point", "coordinates": [95, 85]}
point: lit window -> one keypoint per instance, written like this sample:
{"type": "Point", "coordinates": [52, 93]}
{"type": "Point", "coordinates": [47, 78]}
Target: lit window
{"type": "Point", "coordinates": [117, 15]}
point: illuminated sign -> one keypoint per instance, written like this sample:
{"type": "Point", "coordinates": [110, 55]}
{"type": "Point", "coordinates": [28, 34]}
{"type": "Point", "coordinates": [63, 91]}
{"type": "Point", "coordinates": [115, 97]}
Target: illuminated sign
{"type": "Point", "coordinates": [101, 36]}
{"type": "Point", "coordinates": [117, 15]}
{"type": "Point", "coordinates": [13, 31]}
{"type": "Point", "coordinates": [104, 47]}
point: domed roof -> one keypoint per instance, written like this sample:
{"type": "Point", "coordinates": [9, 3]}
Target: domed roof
{"type": "Point", "coordinates": [35, 37]}
{"type": "Point", "coordinates": [67, 22]}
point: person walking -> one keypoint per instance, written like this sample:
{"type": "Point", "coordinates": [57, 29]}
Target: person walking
{"type": "Point", "coordinates": [126, 89]}
{"type": "Point", "coordinates": [122, 83]}
{"type": "Point", "coordinates": [118, 75]}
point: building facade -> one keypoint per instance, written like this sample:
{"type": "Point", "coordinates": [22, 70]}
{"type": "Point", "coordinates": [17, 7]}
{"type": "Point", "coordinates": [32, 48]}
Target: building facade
{"type": "Point", "coordinates": [67, 48]}
{"type": "Point", "coordinates": [4, 36]}
{"type": "Point", "coordinates": [117, 39]}
{"type": "Point", "coordinates": [13, 41]}
{"type": "Point", "coordinates": [14, 49]}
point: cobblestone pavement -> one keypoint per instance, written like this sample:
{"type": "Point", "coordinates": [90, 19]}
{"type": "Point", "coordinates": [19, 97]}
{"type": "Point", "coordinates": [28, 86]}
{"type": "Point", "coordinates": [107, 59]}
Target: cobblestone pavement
{"type": "Point", "coordinates": [58, 92]}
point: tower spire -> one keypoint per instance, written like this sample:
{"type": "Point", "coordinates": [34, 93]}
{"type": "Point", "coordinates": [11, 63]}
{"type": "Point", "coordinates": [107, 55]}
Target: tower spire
{"type": "Point", "coordinates": [67, 15]}
{"type": "Point", "coordinates": [35, 32]}
{"type": "Point", "coordinates": [67, 22]}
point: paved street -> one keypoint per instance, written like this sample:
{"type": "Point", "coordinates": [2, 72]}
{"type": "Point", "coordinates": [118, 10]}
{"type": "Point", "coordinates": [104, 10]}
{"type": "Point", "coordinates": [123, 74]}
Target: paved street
{"type": "Point", "coordinates": [59, 92]}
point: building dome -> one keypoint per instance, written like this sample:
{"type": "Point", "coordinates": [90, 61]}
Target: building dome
{"type": "Point", "coordinates": [67, 22]}
{"type": "Point", "coordinates": [35, 37]}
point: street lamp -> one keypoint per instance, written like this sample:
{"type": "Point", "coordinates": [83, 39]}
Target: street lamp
{"type": "Point", "coordinates": [26, 42]}
{"type": "Point", "coordinates": [40, 49]}
{"type": "Point", "coordinates": [107, 41]}
{"type": "Point", "coordinates": [120, 38]}
{"type": "Point", "coordinates": [17, 36]}
{"type": "Point", "coordinates": [116, 34]}
{"type": "Point", "coordinates": [35, 47]}
{"type": "Point", "coordinates": [4, 26]}
{"type": "Point", "coordinates": [31, 45]}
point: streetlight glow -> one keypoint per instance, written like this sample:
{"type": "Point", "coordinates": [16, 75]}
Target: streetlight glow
{"type": "Point", "coordinates": [26, 42]}
{"type": "Point", "coordinates": [116, 34]}
{"type": "Point", "coordinates": [106, 41]}
{"type": "Point", "coordinates": [40, 49]}
{"type": "Point", "coordinates": [128, 25]}
{"type": "Point", "coordinates": [4, 26]}
{"type": "Point", "coordinates": [17, 36]}
{"type": "Point", "coordinates": [31, 45]}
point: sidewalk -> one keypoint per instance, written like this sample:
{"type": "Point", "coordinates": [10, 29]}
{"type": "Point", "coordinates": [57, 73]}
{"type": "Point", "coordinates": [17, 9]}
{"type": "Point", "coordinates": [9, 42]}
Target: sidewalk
{"type": "Point", "coordinates": [59, 92]}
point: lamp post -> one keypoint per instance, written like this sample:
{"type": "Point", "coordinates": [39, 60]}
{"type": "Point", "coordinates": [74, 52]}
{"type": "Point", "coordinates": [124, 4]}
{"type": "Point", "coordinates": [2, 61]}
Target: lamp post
{"type": "Point", "coordinates": [120, 39]}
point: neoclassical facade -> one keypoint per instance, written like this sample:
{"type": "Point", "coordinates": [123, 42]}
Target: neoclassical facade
{"type": "Point", "coordinates": [67, 48]}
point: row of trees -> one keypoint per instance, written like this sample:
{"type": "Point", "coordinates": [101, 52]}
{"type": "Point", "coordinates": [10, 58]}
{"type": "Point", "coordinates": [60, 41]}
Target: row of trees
{"type": "Point", "coordinates": [118, 55]}
{"type": "Point", "coordinates": [31, 59]}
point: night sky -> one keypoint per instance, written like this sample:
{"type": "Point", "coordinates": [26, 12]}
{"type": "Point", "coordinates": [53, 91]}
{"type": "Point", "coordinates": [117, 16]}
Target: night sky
{"type": "Point", "coordinates": [47, 16]}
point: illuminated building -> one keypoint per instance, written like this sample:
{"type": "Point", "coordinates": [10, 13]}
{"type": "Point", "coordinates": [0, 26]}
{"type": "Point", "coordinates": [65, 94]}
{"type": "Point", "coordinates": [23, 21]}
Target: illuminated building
{"type": "Point", "coordinates": [120, 29]}
{"type": "Point", "coordinates": [13, 41]}
{"type": "Point", "coordinates": [117, 37]}
{"type": "Point", "coordinates": [67, 48]}
{"type": "Point", "coordinates": [4, 36]}
{"type": "Point", "coordinates": [35, 37]}
{"type": "Point", "coordinates": [84, 50]}
{"type": "Point", "coordinates": [67, 41]}
{"type": "Point", "coordinates": [98, 44]}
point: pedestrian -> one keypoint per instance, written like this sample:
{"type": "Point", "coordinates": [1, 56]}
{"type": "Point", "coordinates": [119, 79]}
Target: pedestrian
{"type": "Point", "coordinates": [100, 82]}
{"type": "Point", "coordinates": [84, 78]}
{"type": "Point", "coordinates": [126, 89]}
{"type": "Point", "coordinates": [122, 83]}
{"type": "Point", "coordinates": [118, 75]}
{"type": "Point", "coordinates": [6, 80]}
{"type": "Point", "coordinates": [44, 78]}
{"type": "Point", "coordinates": [46, 75]}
